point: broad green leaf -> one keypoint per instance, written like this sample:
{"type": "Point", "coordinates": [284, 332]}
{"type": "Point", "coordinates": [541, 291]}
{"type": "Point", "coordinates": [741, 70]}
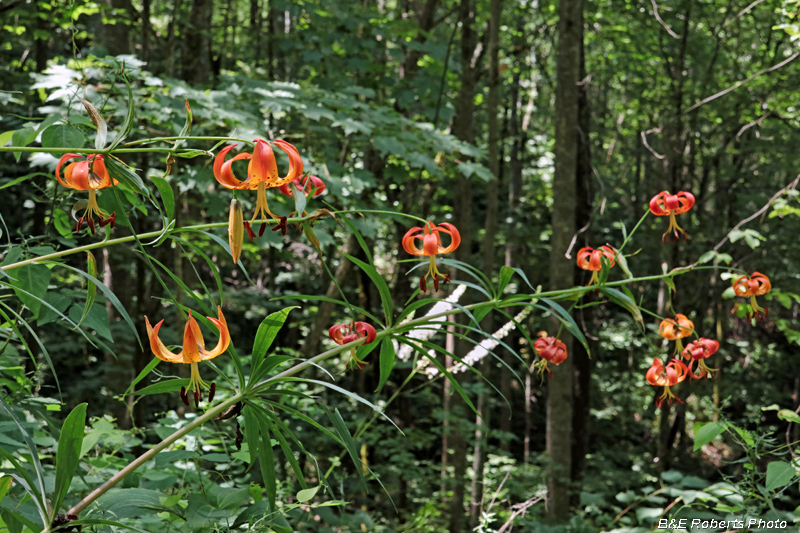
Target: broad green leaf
{"type": "Point", "coordinates": [33, 280]}
{"type": "Point", "coordinates": [130, 503]}
{"type": "Point", "coordinates": [69, 449]}
{"type": "Point", "coordinates": [306, 494]}
{"type": "Point", "coordinates": [779, 474]}
{"type": "Point", "coordinates": [705, 433]}
{"type": "Point", "coordinates": [62, 136]}
{"type": "Point", "coordinates": [165, 458]}
{"type": "Point", "coordinates": [386, 361]}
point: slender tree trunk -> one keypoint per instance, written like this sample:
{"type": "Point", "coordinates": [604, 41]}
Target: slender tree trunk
{"type": "Point", "coordinates": [196, 57]}
{"type": "Point", "coordinates": [489, 248]}
{"type": "Point", "coordinates": [582, 365]}
{"type": "Point", "coordinates": [560, 399]}
{"type": "Point", "coordinates": [146, 29]}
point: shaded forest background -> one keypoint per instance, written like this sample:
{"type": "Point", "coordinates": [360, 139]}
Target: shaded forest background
{"type": "Point", "coordinates": [431, 108]}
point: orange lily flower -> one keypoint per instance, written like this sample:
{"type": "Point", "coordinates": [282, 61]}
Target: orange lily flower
{"type": "Point", "coordinates": [591, 259]}
{"type": "Point", "coordinates": [262, 174]}
{"type": "Point", "coordinates": [698, 351]}
{"type": "Point", "coordinates": [756, 284]}
{"type": "Point", "coordinates": [664, 204]}
{"type": "Point", "coordinates": [87, 175]}
{"type": "Point", "coordinates": [193, 352]}
{"type": "Point", "coordinates": [431, 236]}
{"type": "Point", "coordinates": [308, 184]}
{"type": "Point", "coordinates": [345, 333]}
{"type": "Point", "coordinates": [676, 329]}
{"type": "Point", "coordinates": [669, 376]}
{"type": "Point", "coordinates": [551, 350]}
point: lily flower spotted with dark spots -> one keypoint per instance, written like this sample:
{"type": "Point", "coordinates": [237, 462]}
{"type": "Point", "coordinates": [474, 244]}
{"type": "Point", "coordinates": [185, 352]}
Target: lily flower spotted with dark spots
{"type": "Point", "coordinates": [431, 237]}
{"type": "Point", "coordinates": [346, 333]}
{"type": "Point", "coordinates": [700, 350]}
{"type": "Point", "coordinates": [193, 352]}
{"type": "Point", "coordinates": [664, 204]}
{"type": "Point", "coordinates": [90, 174]}
{"type": "Point", "coordinates": [667, 376]}
{"type": "Point", "coordinates": [262, 174]}
{"type": "Point", "coordinates": [551, 350]}
{"type": "Point", "coordinates": [675, 329]}
{"type": "Point", "coordinates": [756, 284]}
{"type": "Point", "coordinates": [591, 259]}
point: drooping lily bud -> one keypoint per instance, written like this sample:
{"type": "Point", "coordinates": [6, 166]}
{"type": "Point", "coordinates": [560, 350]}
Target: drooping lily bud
{"type": "Point", "coordinates": [236, 230]}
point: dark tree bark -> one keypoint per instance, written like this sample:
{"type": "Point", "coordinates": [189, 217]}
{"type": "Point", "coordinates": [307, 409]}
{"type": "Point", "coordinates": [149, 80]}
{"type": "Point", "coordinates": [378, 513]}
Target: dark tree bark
{"type": "Point", "coordinates": [560, 399]}
{"type": "Point", "coordinates": [196, 56]}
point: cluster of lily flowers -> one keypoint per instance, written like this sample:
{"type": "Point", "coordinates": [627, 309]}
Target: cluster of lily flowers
{"type": "Point", "coordinates": [90, 174]}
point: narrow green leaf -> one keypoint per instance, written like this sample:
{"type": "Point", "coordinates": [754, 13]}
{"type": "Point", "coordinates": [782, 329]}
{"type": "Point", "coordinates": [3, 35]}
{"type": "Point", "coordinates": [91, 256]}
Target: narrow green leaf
{"type": "Point", "coordinates": [126, 176]}
{"type": "Point", "coordinates": [161, 387]}
{"type": "Point", "coordinates": [38, 495]}
{"type": "Point", "coordinates": [569, 323]}
{"type": "Point", "coordinates": [349, 443]}
{"type": "Point", "coordinates": [380, 283]}
{"type": "Point", "coordinates": [167, 195]}
{"type": "Point", "coordinates": [128, 124]}
{"type": "Point", "coordinates": [386, 361]}
{"type": "Point", "coordinates": [69, 449]}
{"type": "Point", "coordinates": [624, 301]}
{"type": "Point", "coordinates": [91, 288]}
{"type": "Point", "coordinates": [266, 459]}
{"type": "Point", "coordinates": [267, 331]}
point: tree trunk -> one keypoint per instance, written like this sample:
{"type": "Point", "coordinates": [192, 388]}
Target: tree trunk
{"type": "Point", "coordinates": [560, 399]}
{"type": "Point", "coordinates": [196, 57]}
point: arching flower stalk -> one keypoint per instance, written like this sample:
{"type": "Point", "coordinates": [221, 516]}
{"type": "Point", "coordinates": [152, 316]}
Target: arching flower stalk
{"type": "Point", "coordinates": [193, 352]}
{"type": "Point", "coordinates": [664, 204]}
{"type": "Point", "coordinates": [756, 284]}
{"type": "Point", "coordinates": [591, 259]}
{"type": "Point", "coordinates": [346, 333]}
{"type": "Point", "coordinates": [90, 174]}
{"type": "Point", "coordinates": [431, 237]}
{"type": "Point", "coordinates": [669, 376]}
{"type": "Point", "coordinates": [262, 174]}
{"type": "Point", "coordinates": [700, 350]}
{"type": "Point", "coordinates": [551, 350]}
{"type": "Point", "coordinates": [675, 329]}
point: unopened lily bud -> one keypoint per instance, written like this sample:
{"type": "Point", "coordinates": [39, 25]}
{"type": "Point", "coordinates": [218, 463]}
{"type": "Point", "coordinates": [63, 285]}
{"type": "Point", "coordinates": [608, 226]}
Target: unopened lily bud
{"type": "Point", "coordinates": [236, 229]}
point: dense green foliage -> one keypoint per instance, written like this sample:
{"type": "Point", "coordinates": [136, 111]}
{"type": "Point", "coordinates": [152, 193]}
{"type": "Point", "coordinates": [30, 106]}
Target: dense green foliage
{"type": "Point", "coordinates": [695, 96]}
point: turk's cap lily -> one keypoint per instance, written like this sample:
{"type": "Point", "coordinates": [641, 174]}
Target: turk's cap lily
{"type": "Point", "coordinates": [347, 333]}
{"type": "Point", "coordinates": [431, 237]}
{"type": "Point", "coordinates": [308, 184]}
{"type": "Point", "coordinates": [262, 169]}
{"type": "Point", "coordinates": [667, 376]}
{"type": "Point", "coordinates": [551, 349]}
{"type": "Point", "coordinates": [88, 174]}
{"type": "Point", "coordinates": [676, 328]}
{"type": "Point", "coordinates": [591, 259]}
{"type": "Point", "coordinates": [194, 347]}
{"type": "Point", "coordinates": [664, 203]}
{"type": "Point", "coordinates": [756, 284]}
{"type": "Point", "coordinates": [700, 349]}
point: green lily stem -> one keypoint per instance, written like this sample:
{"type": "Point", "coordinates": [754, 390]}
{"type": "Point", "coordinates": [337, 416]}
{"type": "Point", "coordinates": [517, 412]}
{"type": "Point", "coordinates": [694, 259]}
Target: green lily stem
{"type": "Point", "coordinates": [39, 149]}
{"type": "Point", "coordinates": [187, 138]}
{"type": "Point", "coordinates": [129, 238]}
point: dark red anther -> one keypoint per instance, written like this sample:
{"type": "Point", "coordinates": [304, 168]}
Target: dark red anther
{"type": "Point", "coordinates": [184, 396]}
{"type": "Point", "coordinates": [80, 224]}
{"type": "Point", "coordinates": [435, 283]}
{"type": "Point", "coordinates": [446, 278]}
{"type": "Point", "coordinates": [91, 225]}
{"type": "Point", "coordinates": [281, 225]}
{"type": "Point", "coordinates": [423, 287]}
{"type": "Point", "coordinates": [249, 230]}
{"type": "Point", "coordinates": [112, 220]}
{"type": "Point", "coordinates": [197, 398]}
{"type": "Point", "coordinates": [211, 392]}
{"type": "Point", "coordinates": [262, 229]}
